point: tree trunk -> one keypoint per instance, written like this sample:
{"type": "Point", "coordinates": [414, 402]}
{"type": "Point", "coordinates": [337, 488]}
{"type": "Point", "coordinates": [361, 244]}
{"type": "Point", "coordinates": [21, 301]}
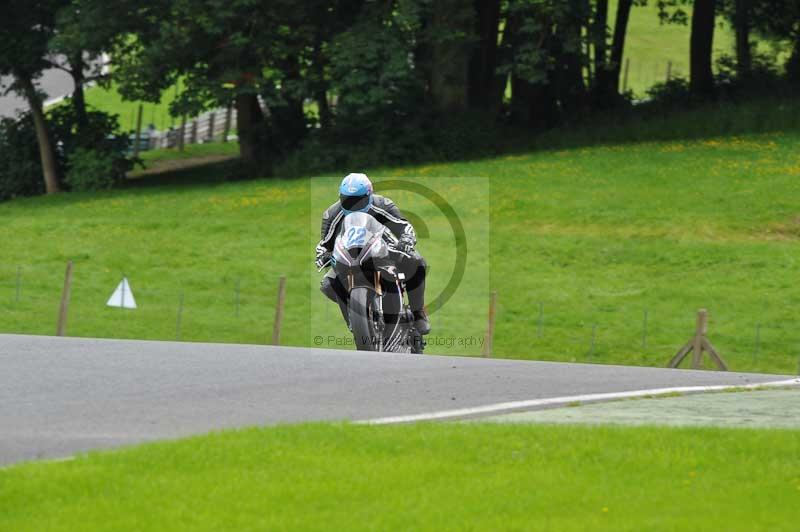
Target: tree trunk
{"type": "Point", "coordinates": [570, 85]}
{"type": "Point", "coordinates": [533, 105]}
{"type": "Point", "coordinates": [499, 82]}
{"type": "Point", "coordinates": [744, 59]}
{"type": "Point", "coordinates": [320, 85]}
{"type": "Point", "coordinates": [793, 64]}
{"type": "Point", "coordinates": [452, 20]}
{"type": "Point", "coordinates": [701, 82]}
{"type": "Point", "coordinates": [600, 27]}
{"type": "Point", "coordinates": [611, 75]}
{"type": "Point", "coordinates": [483, 62]}
{"type": "Point", "coordinates": [288, 120]}
{"type": "Point", "coordinates": [78, 99]}
{"type": "Point", "coordinates": [250, 127]}
{"type": "Point", "coordinates": [47, 152]}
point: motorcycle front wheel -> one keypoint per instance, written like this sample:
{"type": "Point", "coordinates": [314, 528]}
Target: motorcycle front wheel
{"type": "Point", "coordinates": [362, 319]}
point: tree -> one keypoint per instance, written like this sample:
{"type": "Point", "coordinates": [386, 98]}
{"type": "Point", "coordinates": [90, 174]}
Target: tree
{"type": "Point", "coordinates": [701, 77]}
{"type": "Point", "coordinates": [546, 60]}
{"type": "Point", "coordinates": [779, 20]}
{"type": "Point", "coordinates": [741, 23]}
{"type": "Point", "coordinates": [483, 61]}
{"type": "Point", "coordinates": [85, 30]}
{"type": "Point", "coordinates": [23, 54]}
{"type": "Point", "coordinates": [610, 75]}
{"type": "Point", "coordinates": [378, 85]}
{"type": "Point", "coordinates": [222, 51]}
{"type": "Point", "coordinates": [450, 32]}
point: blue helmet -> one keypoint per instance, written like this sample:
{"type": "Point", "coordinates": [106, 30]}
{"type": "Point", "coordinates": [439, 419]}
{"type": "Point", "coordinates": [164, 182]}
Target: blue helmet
{"type": "Point", "coordinates": [355, 193]}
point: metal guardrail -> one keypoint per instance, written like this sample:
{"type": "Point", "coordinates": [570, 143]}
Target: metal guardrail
{"type": "Point", "coordinates": [211, 126]}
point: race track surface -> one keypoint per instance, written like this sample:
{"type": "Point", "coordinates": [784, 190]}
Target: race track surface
{"type": "Point", "coordinates": [59, 396]}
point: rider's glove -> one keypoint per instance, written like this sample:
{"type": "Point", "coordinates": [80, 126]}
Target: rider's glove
{"type": "Point", "coordinates": [322, 259]}
{"type": "Point", "coordinates": [406, 244]}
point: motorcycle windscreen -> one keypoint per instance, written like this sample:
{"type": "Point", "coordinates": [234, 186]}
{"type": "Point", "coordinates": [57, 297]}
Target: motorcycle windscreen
{"type": "Point", "coordinates": [359, 230]}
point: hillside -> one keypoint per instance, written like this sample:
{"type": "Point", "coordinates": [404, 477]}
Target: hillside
{"type": "Point", "coordinates": [598, 254]}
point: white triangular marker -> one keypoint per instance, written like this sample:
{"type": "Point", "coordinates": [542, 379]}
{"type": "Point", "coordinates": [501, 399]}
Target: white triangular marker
{"type": "Point", "coordinates": [122, 296]}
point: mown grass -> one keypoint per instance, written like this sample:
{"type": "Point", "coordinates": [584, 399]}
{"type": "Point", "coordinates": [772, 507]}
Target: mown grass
{"type": "Point", "coordinates": [110, 101]}
{"type": "Point", "coordinates": [421, 477]}
{"type": "Point", "coordinates": [597, 237]}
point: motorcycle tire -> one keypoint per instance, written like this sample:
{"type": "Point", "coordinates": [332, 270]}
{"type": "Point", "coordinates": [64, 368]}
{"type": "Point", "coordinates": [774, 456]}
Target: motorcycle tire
{"type": "Point", "coordinates": [363, 326]}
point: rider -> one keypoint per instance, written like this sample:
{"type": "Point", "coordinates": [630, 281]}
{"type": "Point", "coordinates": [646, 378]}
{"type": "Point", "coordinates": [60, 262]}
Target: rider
{"type": "Point", "coordinates": [355, 195]}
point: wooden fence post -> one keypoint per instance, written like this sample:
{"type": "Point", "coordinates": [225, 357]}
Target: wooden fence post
{"type": "Point", "coordinates": [697, 345]}
{"type": "Point", "coordinates": [489, 339]}
{"type": "Point", "coordinates": [193, 137]}
{"type": "Point", "coordinates": [276, 327]}
{"type": "Point", "coordinates": [138, 136]}
{"type": "Point", "coordinates": [211, 118]}
{"type": "Point", "coordinates": [179, 319]}
{"type": "Point", "coordinates": [19, 283]}
{"type": "Point", "coordinates": [227, 130]}
{"type": "Point", "coordinates": [182, 133]}
{"type": "Point", "coordinates": [701, 330]}
{"type": "Point", "coordinates": [625, 75]}
{"type": "Point", "coordinates": [64, 306]}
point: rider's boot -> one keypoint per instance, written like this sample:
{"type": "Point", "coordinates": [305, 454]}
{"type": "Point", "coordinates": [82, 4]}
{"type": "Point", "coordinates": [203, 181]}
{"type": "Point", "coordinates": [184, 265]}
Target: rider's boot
{"type": "Point", "coordinates": [416, 298]}
{"type": "Point", "coordinates": [421, 322]}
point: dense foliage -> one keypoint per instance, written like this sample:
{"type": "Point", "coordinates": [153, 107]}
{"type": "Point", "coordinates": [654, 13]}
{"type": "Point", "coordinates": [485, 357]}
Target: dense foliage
{"type": "Point", "coordinates": [90, 156]}
{"type": "Point", "coordinates": [317, 83]}
{"type": "Point", "coordinates": [20, 168]}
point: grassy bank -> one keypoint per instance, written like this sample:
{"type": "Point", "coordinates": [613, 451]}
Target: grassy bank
{"type": "Point", "coordinates": [600, 253]}
{"type": "Point", "coordinates": [336, 477]}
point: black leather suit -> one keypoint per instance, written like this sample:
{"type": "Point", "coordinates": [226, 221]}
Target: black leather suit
{"type": "Point", "coordinates": [386, 212]}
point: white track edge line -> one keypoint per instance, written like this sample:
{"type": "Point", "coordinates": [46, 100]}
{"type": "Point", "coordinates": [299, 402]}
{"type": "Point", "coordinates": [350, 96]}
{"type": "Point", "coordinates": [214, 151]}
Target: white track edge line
{"type": "Point", "coordinates": [549, 401]}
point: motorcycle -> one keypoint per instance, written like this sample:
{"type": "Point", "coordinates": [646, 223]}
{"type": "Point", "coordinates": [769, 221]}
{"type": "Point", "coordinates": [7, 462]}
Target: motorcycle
{"type": "Point", "coordinates": [365, 262]}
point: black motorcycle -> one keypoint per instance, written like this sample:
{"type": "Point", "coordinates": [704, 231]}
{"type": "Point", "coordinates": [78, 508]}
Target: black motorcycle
{"type": "Point", "coordinates": [365, 259]}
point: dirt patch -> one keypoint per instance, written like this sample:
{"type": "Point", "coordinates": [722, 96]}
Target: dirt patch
{"type": "Point", "coordinates": [789, 229]}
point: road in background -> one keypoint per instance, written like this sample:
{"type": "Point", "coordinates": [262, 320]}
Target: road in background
{"type": "Point", "coordinates": [54, 83]}
{"type": "Point", "coordinates": [59, 396]}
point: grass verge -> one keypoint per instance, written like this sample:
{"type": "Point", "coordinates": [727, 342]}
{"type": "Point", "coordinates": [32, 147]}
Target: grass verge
{"type": "Point", "coordinates": [344, 477]}
{"type": "Point", "coordinates": [599, 253]}
{"type": "Point", "coordinates": [191, 151]}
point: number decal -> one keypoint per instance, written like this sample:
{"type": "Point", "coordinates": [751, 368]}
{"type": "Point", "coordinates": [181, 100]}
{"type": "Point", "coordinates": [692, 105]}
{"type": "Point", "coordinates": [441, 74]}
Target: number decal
{"type": "Point", "coordinates": [356, 236]}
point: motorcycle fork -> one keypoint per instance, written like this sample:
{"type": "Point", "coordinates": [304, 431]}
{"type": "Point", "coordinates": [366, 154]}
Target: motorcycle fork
{"type": "Point", "coordinates": [379, 309]}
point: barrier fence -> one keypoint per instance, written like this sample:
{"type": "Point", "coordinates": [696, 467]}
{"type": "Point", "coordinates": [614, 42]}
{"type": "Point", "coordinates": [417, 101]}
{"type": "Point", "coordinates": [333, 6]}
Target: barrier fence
{"type": "Point", "coordinates": [212, 126]}
{"type": "Point", "coordinates": [270, 309]}
{"type": "Point", "coordinates": [241, 309]}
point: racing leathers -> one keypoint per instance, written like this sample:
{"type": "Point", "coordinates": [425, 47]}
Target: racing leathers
{"type": "Point", "coordinates": [411, 263]}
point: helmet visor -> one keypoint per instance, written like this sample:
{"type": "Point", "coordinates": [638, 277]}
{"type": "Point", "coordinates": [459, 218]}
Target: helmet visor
{"type": "Point", "coordinates": [354, 203]}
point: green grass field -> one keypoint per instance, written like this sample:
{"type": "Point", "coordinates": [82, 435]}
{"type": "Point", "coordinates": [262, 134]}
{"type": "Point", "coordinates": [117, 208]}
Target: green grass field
{"type": "Point", "coordinates": [110, 101]}
{"type": "Point", "coordinates": [651, 46]}
{"type": "Point", "coordinates": [616, 245]}
{"type": "Point", "coordinates": [421, 477]}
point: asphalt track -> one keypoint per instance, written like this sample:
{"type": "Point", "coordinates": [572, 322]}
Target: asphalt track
{"type": "Point", "coordinates": [59, 396]}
